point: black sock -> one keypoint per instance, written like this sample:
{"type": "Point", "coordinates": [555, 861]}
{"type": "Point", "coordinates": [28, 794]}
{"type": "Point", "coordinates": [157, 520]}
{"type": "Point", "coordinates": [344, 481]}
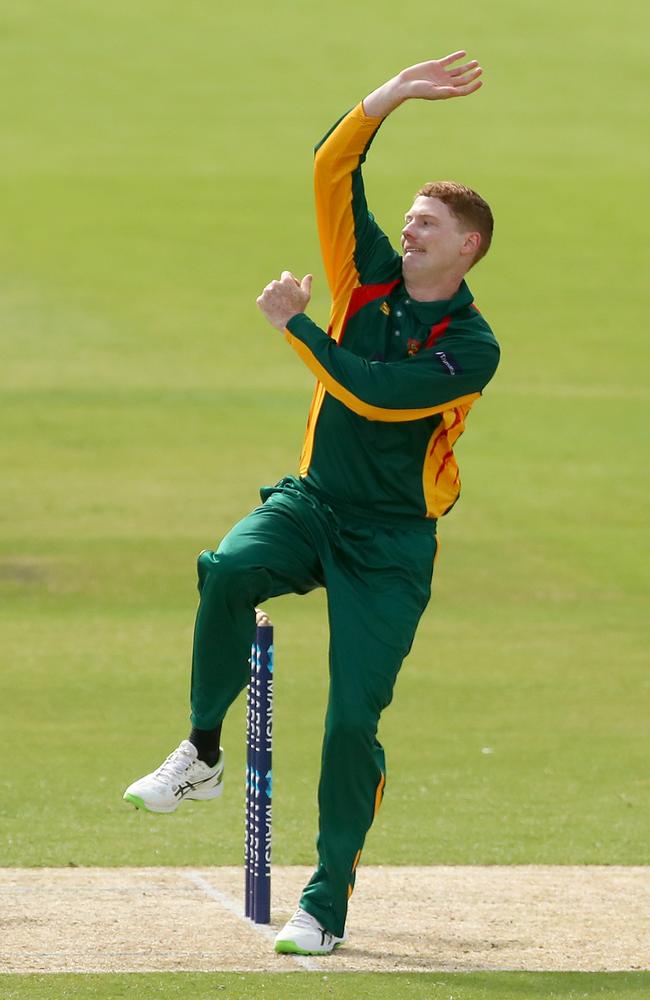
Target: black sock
{"type": "Point", "coordinates": [206, 742]}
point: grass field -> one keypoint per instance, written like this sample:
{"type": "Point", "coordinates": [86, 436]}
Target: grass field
{"type": "Point", "coordinates": [155, 173]}
{"type": "Point", "coordinates": [509, 986]}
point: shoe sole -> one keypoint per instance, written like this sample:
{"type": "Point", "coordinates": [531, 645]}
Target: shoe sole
{"type": "Point", "coordinates": [139, 803]}
{"type": "Point", "coordinates": [291, 948]}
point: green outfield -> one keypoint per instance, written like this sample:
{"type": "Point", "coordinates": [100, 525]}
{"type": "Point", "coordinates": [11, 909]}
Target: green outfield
{"type": "Point", "coordinates": [499, 986]}
{"type": "Point", "coordinates": [155, 174]}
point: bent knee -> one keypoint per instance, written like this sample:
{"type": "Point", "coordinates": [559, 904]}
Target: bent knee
{"type": "Point", "coordinates": [205, 564]}
{"type": "Point", "coordinates": [221, 569]}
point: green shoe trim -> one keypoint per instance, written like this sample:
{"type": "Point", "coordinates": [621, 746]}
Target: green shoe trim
{"type": "Point", "coordinates": [291, 948]}
{"type": "Point", "coordinates": [135, 800]}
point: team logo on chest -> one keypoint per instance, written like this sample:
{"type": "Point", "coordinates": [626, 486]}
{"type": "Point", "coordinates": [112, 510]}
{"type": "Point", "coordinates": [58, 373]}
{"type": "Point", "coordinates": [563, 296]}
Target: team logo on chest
{"type": "Point", "coordinates": [413, 346]}
{"type": "Point", "coordinates": [385, 308]}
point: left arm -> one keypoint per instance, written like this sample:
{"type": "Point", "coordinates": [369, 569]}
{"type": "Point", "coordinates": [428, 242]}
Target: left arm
{"type": "Point", "coordinates": [397, 391]}
{"type": "Point", "coordinates": [411, 389]}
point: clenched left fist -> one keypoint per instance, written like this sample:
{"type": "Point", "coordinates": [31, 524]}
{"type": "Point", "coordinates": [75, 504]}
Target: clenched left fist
{"type": "Point", "coordinates": [285, 298]}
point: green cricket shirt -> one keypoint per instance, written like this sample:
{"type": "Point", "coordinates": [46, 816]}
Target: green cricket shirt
{"type": "Point", "coordinates": [396, 377]}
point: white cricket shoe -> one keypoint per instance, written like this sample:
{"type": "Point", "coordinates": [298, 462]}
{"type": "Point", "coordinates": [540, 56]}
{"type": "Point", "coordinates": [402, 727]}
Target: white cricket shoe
{"type": "Point", "coordinates": [181, 776]}
{"type": "Point", "coordinates": [304, 935]}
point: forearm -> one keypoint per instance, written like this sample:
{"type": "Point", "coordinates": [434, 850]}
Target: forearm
{"type": "Point", "coordinates": [393, 392]}
{"type": "Point", "coordinates": [385, 99]}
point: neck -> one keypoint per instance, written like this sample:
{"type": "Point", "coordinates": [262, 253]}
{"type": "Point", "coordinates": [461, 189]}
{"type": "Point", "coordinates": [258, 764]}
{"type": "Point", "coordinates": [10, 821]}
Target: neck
{"type": "Point", "coordinates": [428, 289]}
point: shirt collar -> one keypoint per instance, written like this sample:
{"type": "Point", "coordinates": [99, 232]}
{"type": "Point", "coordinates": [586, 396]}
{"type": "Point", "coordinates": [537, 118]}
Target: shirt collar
{"type": "Point", "coordinates": [432, 312]}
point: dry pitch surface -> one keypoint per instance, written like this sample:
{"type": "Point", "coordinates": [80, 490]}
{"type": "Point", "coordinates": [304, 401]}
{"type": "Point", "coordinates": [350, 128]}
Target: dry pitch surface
{"type": "Point", "coordinates": [401, 919]}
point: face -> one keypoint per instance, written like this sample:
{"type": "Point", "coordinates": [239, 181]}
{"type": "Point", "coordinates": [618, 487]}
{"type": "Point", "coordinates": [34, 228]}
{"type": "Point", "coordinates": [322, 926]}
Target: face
{"type": "Point", "coordinates": [433, 241]}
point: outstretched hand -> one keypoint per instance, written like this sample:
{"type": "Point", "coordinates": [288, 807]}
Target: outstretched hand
{"type": "Point", "coordinates": [285, 298]}
{"type": "Point", "coordinates": [435, 80]}
{"type": "Point", "coordinates": [439, 79]}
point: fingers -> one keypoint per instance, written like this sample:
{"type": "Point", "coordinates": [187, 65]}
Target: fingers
{"type": "Point", "coordinates": [466, 78]}
{"type": "Point", "coordinates": [461, 86]}
{"type": "Point", "coordinates": [283, 299]}
{"type": "Point", "coordinates": [261, 618]}
{"type": "Point", "coordinates": [459, 70]}
{"type": "Point", "coordinates": [267, 288]}
{"type": "Point", "coordinates": [443, 93]}
{"type": "Point", "coordinates": [452, 58]}
{"type": "Point", "coordinates": [469, 88]}
{"type": "Point", "coordinates": [289, 278]}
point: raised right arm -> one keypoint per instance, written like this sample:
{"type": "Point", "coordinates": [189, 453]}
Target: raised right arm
{"type": "Point", "coordinates": [355, 250]}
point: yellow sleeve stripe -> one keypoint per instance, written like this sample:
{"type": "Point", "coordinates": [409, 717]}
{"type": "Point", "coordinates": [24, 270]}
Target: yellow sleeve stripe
{"type": "Point", "coordinates": [312, 420]}
{"type": "Point", "coordinates": [358, 405]}
{"type": "Point", "coordinates": [335, 161]}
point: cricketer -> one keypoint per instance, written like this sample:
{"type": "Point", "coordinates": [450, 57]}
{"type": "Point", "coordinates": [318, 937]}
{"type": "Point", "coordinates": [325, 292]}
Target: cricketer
{"type": "Point", "coordinates": [405, 356]}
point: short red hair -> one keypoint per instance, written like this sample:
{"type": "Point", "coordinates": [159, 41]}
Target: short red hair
{"type": "Point", "coordinates": [469, 208]}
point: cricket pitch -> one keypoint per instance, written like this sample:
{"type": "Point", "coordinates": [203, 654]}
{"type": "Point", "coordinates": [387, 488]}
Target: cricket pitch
{"type": "Point", "coordinates": [535, 918]}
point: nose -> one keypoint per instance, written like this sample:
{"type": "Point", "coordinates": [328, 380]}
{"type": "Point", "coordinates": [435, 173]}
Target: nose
{"type": "Point", "coordinates": [408, 228]}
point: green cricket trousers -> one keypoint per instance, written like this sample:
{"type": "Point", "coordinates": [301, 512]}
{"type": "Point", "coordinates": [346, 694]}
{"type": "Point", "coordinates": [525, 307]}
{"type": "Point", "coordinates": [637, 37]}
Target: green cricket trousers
{"type": "Point", "coordinates": [378, 581]}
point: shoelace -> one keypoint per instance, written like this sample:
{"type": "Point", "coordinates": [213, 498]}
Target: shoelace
{"type": "Point", "coordinates": [178, 761]}
{"type": "Point", "coordinates": [303, 919]}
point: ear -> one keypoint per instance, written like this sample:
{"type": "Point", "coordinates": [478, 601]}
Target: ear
{"type": "Point", "coordinates": [471, 244]}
